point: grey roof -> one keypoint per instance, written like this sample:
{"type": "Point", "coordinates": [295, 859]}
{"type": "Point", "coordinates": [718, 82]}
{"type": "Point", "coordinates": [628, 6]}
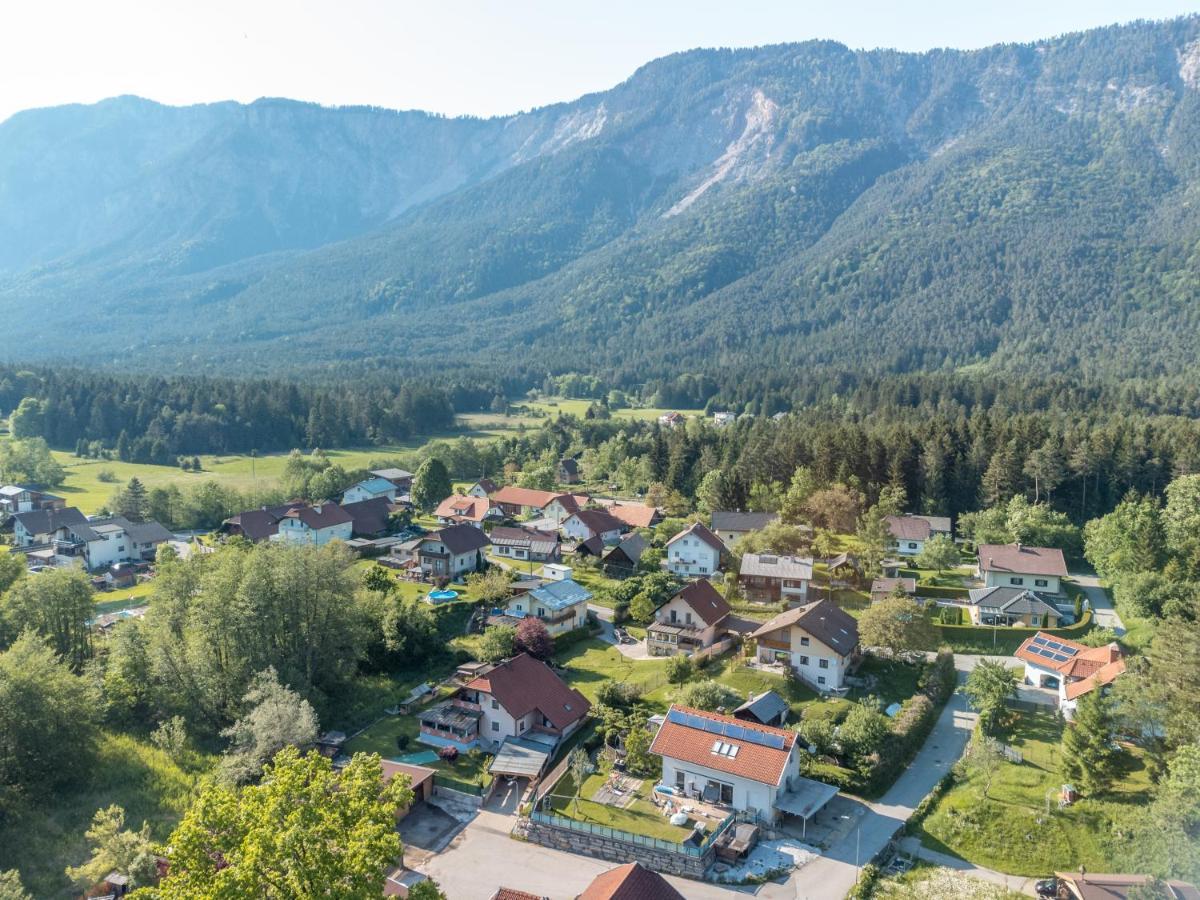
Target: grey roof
{"type": "Point", "coordinates": [259, 524]}
{"type": "Point", "coordinates": [138, 532]}
{"type": "Point", "coordinates": [461, 539]}
{"type": "Point", "coordinates": [324, 515]}
{"type": "Point", "coordinates": [558, 595]}
{"type": "Point", "coordinates": [632, 547]}
{"type": "Point", "coordinates": [736, 520]}
{"type": "Point", "coordinates": [765, 708]}
{"type": "Point", "coordinates": [1012, 600]}
{"type": "Point", "coordinates": [772, 565]}
{"type": "Point", "coordinates": [534, 540]}
{"type": "Point", "coordinates": [392, 474]}
{"type": "Point", "coordinates": [45, 521]}
{"type": "Point", "coordinates": [520, 757]}
{"type": "Point", "coordinates": [824, 620]}
{"type": "Point", "coordinates": [805, 797]}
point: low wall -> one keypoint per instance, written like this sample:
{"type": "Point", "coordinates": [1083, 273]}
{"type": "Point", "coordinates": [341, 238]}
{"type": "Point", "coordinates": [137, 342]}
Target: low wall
{"type": "Point", "coordinates": [458, 796]}
{"type": "Point", "coordinates": [618, 851]}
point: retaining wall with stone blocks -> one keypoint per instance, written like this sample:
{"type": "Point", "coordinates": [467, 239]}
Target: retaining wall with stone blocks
{"type": "Point", "coordinates": [618, 851]}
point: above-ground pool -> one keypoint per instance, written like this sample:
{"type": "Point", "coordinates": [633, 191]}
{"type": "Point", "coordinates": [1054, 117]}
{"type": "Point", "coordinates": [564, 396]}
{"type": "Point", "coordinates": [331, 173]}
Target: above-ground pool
{"type": "Point", "coordinates": [424, 758]}
{"type": "Point", "coordinates": [442, 596]}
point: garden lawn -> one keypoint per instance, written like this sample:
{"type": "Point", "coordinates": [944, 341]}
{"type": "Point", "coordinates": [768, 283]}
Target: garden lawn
{"type": "Point", "coordinates": [1001, 640]}
{"type": "Point", "coordinates": [469, 769]}
{"type": "Point", "coordinates": [589, 663]}
{"type": "Point", "coordinates": [1015, 828]}
{"type": "Point", "coordinates": [42, 837]}
{"type": "Point", "coordinates": [640, 817]}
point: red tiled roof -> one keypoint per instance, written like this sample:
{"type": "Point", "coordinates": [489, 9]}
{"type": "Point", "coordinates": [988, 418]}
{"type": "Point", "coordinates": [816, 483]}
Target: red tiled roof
{"type": "Point", "coordinates": [523, 684]}
{"type": "Point", "coordinates": [637, 515]}
{"type": "Point", "coordinates": [908, 528]}
{"type": "Point", "coordinates": [1022, 560]}
{"type": "Point", "coordinates": [1092, 667]}
{"type": "Point", "coordinates": [458, 506]}
{"type": "Point", "coordinates": [700, 530]}
{"type": "Point", "coordinates": [513, 894]}
{"type": "Point", "coordinates": [632, 881]}
{"type": "Point", "coordinates": [325, 515]}
{"type": "Point", "coordinates": [519, 496]}
{"type": "Point", "coordinates": [765, 765]}
{"type": "Point", "coordinates": [705, 601]}
{"type": "Point", "coordinates": [569, 502]}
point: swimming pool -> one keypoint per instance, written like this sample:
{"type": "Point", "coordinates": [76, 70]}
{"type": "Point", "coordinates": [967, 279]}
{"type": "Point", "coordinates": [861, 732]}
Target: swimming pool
{"type": "Point", "coordinates": [442, 596]}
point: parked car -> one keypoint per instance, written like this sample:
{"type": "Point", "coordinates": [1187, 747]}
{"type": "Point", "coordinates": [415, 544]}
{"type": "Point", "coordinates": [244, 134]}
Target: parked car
{"type": "Point", "coordinates": [1047, 887]}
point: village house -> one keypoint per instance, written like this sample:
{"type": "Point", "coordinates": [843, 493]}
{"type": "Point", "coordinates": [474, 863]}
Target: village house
{"type": "Point", "coordinates": [465, 509]}
{"type": "Point", "coordinates": [369, 490]}
{"type": "Point", "coordinates": [632, 881]}
{"type": "Point", "coordinates": [1015, 565]}
{"type": "Point", "coordinates": [1011, 606]}
{"type": "Point", "coordinates": [882, 588]}
{"type": "Point", "coordinates": [1073, 669]}
{"type": "Point", "coordinates": [525, 544]}
{"type": "Point", "coordinates": [369, 518]}
{"type": "Point", "coordinates": [590, 523]}
{"type": "Point", "coordinates": [257, 524]}
{"type": "Point", "coordinates": [694, 552]}
{"type": "Point", "coordinates": [521, 697]}
{"type": "Point", "coordinates": [1084, 885]}
{"type": "Point", "coordinates": [38, 526]}
{"type": "Point", "coordinates": [518, 501]}
{"type": "Point", "coordinates": [769, 577]}
{"type": "Point", "coordinates": [316, 525]}
{"type": "Point", "coordinates": [399, 478]}
{"type": "Point", "coordinates": [721, 419]}
{"type": "Point", "coordinates": [567, 471]}
{"type": "Point", "coordinates": [818, 641]}
{"type": "Point", "coordinates": [99, 544]}
{"type": "Point", "coordinates": [767, 708]}
{"type": "Point", "coordinates": [691, 620]}
{"type": "Point", "coordinates": [750, 768]}
{"type": "Point", "coordinates": [672, 420]}
{"type": "Point", "coordinates": [560, 605]}
{"type": "Point", "coordinates": [910, 532]}
{"type": "Point", "coordinates": [731, 525]}
{"type": "Point", "coordinates": [632, 513]}
{"type": "Point", "coordinates": [452, 551]}
{"type": "Point", "coordinates": [15, 498]}
{"type": "Point", "coordinates": [623, 558]}
{"type": "Point", "coordinates": [483, 488]}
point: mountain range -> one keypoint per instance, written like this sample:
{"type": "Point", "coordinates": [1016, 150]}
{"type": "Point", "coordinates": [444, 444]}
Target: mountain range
{"type": "Point", "coordinates": [797, 208]}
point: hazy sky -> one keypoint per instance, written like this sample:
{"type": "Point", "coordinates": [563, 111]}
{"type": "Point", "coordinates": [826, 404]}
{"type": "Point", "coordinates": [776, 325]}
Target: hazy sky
{"type": "Point", "coordinates": [479, 57]}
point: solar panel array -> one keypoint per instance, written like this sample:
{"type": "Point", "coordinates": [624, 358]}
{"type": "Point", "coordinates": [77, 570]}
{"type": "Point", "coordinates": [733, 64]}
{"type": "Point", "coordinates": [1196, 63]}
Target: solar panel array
{"type": "Point", "coordinates": [1044, 647]}
{"type": "Point", "coordinates": [730, 730]}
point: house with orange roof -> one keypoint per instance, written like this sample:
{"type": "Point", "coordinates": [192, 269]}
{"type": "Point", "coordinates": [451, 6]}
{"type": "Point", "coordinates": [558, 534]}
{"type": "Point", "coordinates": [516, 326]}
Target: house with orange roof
{"type": "Point", "coordinates": [519, 501]}
{"type": "Point", "coordinates": [632, 881]}
{"type": "Point", "coordinates": [1073, 669]}
{"type": "Point", "coordinates": [743, 766]}
{"type": "Point", "coordinates": [464, 508]}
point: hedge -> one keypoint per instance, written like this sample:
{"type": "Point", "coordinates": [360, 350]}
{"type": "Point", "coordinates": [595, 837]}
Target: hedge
{"type": "Point", "coordinates": [945, 593]}
{"type": "Point", "coordinates": [972, 638]}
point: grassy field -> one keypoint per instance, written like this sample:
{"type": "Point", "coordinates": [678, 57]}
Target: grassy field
{"type": "Point", "coordinates": [640, 817]}
{"type": "Point", "coordinates": [42, 838]}
{"type": "Point", "coordinates": [1018, 827]}
{"type": "Point", "coordinates": [470, 769]}
{"type": "Point", "coordinates": [592, 662]}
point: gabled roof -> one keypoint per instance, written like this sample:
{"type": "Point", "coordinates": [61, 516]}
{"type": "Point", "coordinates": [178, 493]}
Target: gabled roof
{"type": "Point", "coordinates": [1088, 667]}
{"type": "Point", "coordinates": [700, 530]}
{"type": "Point", "coordinates": [324, 515]}
{"type": "Point", "coordinates": [259, 524]}
{"type": "Point", "coordinates": [570, 503]}
{"type": "Point", "coordinates": [1092, 886]}
{"type": "Point", "coordinates": [598, 520]}
{"type": "Point", "coordinates": [636, 515]}
{"type": "Point", "coordinates": [772, 565]}
{"type": "Point", "coordinates": [569, 465]}
{"type": "Point", "coordinates": [908, 527]}
{"type": "Point", "coordinates": [377, 485]}
{"type": "Point", "coordinates": [1012, 600]}
{"type": "Point", "coordinates": [824, 620]}
{"type": "Point", "coordinates": [489, 486]}
{"type": "Point", "coordinates": [519, 496]}
{"type": "Point", "coordinates": [533, 539]}
{"type": "Point", "coordinates": [704, 600]}
{"type": "Point", "coordinates": [559, 595]}
{"type": "Point", "coordinates": [887, 585]}
{"type": "Point", "coordinates": [504, 893]}
{"type": "Point", "coordinates": [463, 506]}
{"type": "Point", "coordinates": [763, 708]}
{"type": "Point", "coordinates": [523, 684]}
{"type": "Point", "coordinates": [1021, 560]}
{"type": "Point", "coordinates": [460, 539]}
{"type": "Point", "coordinates": [369, 516]}
{"type": "Point", "coordinates": [393, 474]}
{"type": "Point", "coordinates": [632, 881]}
{"type": "Point", "coordinates": [632, 546]}
{"type": "Point", "coordinates": [736, 520]}
{"type": "Point", "coordinates": [45, 521]}
{"type": "Point", "coordinates": [753, 758]}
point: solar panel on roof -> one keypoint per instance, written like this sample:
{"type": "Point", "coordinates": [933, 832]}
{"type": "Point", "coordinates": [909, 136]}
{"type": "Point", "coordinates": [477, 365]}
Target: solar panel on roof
{"type": "Point", "coordinates": [734, 731]}
{"type": "Point", "coordinates": [1039, 640]}
{"type": "Point", "coordinates": [1060, 657]}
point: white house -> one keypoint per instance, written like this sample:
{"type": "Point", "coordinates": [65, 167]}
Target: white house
{"type": "Point", "coordinates": [521, 697]}
{"type": "Point", "coordinates": [769, 577]}
{"type": "Point", "coordinates": [97, 543]}
{"type": "Point", "coordinates": [561, 605]}
{"type": "Point", "coordinates": [453, 551]}
{"type": "Point", "coordinates": [818, 641]}
{"type": "Point", "coordinates": [721, 419]}
{"type": "Point", "coordinates": [15, 498]}
{"type": "Point", "coordinates": [371, 489]}
{"type": "Point", "coordinates": [38, 526]}
{"type": "Point", "coordinates": [910, 532]}
{"type": "Point", "coordinates": [401, 478]}
{"type": "Point", "coordinates": [316, 525]}
{"type": "Point", "coordinates": [691, 620]}
{"type": "Point", "coordinates": [694, 552]}
{"type": "Point", "coordinates": [1015, 565]}
{"type": "Point", "coordinates": [750, 768]}
{"type": "Point", "coordinates": [483, 488]}
{"type": "Point", "coordinates": [590, 523]}
{"type": "Point", "coordinates": [731, 525]}
{"type": "Point", "coordinates": [1073, 669]}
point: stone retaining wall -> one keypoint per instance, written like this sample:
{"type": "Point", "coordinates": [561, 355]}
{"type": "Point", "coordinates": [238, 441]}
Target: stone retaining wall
{"type": "Point", "coordinates": [618, 851]}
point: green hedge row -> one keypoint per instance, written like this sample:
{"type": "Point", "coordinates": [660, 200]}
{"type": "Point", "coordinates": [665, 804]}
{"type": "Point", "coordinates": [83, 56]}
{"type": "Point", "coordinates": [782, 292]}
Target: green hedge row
{"type": "Point", "coordinates": [1002, 639]}
{"type": "Point", "coordinates": [945, 593]}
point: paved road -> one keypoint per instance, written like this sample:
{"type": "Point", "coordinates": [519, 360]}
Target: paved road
{"type": "Point", "coordinates": [1018, 883]}
{"type": "Point", "coordinates": [605, 616]}
{"type": "Point", "coordinates": [1102, 606]}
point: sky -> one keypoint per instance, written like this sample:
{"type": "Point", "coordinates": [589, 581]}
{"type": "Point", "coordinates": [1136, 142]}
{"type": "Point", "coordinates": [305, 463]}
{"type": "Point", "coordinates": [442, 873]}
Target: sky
{"type": "Point", "coordinates": [478, 58]}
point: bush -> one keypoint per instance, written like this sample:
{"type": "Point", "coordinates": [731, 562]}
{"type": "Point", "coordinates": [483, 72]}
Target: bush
{"type": "Point", "coordinates": [709, 695]}
{"type": "Point", "coordinates": [106, 476]}
{"type": "Point", "coordinates": [449, 754]}
{"type": "Point", "coordinates": [402, 741]}
{"type": "Point", "coordinates": [866, 884]}
{"type": "Point", "coordinates": [618, 694]}
{"type": "Point", "coordinates": [570, 637]}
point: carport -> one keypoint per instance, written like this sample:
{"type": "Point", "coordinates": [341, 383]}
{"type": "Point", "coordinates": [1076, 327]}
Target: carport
{"type": "Point", "coordinates": [805, 798]}
{"type": "Point", "coordinates": [520, 758]}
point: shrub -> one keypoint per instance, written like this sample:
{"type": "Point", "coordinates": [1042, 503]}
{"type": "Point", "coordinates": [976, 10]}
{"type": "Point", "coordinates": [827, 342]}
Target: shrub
{"type": "Point", "coordinates": [402, 741]}
{"type": "Point", "coordinates": [619, 694]}
{"type": "Point", "coordinates": [449, 754]}
{"type": "Point", "coordinates": [106, 476]}
{"type": "Point", "coordinates": [709, 695]}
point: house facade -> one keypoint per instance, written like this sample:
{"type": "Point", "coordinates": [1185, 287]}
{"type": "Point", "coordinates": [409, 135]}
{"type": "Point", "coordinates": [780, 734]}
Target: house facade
{"type": "Point", "coordinates": [726, 761]}
{"type": "Point", "coordinates": [731, 525]}
{"type": "Point", "coordinates": [483, 488]}
{"type": "Point", "coordinates": [590, 523]}
{"type": "Point", "coordinates": [39, 526]}
{"type": "Point", "coordinates": [100, 544]}
{"type": "Point", "coordinates": [694, 553]}
{"type": "Point", "coordinates": [1071, 668]}
{"type": "Point", "coordinates": [770, 578]}
{"type": "Point", "coordinates": [519, 697]}
{"type": "Point", "coordinates": [560, 605]}
{"type": "Point", "coordinates": [1015, 565]}
{"type": "Point", "coordinates": [402, 480]}
{"type": "Point", "coordinates": [910, 532]}
{"type": "Point", "coordinates": [568, 471]}
{"type": "Point", "coordinates": [370, 489]}
{"type": "Point", "coordinates": [525, 544]}
{"type": "Point", "coordinates": [315, 525]}
{"type": "Point", "coordinates": [1011, 606]}
{"type": "Point", "coordinates": [15, 498]}
{"type": "Point", "coordinates": [819, 642]}
{"type": "Point", "coordinates": [693, 619]}
{"type": "Point", "coordinates": [453, 551]}
{"type": "Point", "coordinates": [518, 501]}
{"type": "Point", "coordinates": [466, 509]}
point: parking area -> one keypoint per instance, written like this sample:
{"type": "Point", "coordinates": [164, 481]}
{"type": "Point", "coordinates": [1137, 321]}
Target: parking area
{"type": "Point", "coordinates": [426, 830]}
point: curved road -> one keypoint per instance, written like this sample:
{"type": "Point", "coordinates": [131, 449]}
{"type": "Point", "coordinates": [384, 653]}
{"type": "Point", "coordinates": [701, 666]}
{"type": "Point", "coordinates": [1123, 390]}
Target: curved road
{"type": "Point", "coordinates": [1102, 606]}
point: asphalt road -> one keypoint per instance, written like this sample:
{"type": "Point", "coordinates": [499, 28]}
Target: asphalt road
{"type": "Point", "coordinates": [1102, 605]}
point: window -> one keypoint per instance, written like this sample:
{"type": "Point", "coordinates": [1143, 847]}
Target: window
{"type": "Point", "coordinates": [541, 612]}
{"type": "Point", "coordinates": [912, 545]}
{"type": "Point", "coordinates": [687, 618]}
{"type": "Point", "coordinates": [803, 642]}
{"type": "Point", "coordinates": [495, 726]}
{"type": "Point", "coordinates": [804, 660]}
{"type": "Point", "coordinates": [1040, 582]}
{"type": "Point", "coordinates": [704, 570]}
{"type": "Point", "coordinates": [725, 791]}
{"type": "Point", "coordinates": [823, 664]}
{"type": "Point", "coordinates": [1016, 581]}
{"type": "Point", "coordinates": [522, 725]}
{"type": "Point", "coordinates": [495, 703]}
{"type": "Point", "coordinates": [820, 679]}
{"type": "Point", "coordinates": [674, 617]}
{"type": "Point", "coordinates": [679, 780]}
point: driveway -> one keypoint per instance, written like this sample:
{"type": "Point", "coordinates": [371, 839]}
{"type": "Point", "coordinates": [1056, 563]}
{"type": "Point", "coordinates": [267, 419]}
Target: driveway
{"type": "Point", "coordinates": [1102, 605]}
{"type": "Point", "coordinates": [605, 616]}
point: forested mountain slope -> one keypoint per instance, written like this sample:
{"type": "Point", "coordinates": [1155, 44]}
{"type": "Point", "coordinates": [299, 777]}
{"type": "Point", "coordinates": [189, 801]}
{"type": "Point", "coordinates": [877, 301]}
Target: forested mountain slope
{"type": "Point", "coordinates": [792, 208]}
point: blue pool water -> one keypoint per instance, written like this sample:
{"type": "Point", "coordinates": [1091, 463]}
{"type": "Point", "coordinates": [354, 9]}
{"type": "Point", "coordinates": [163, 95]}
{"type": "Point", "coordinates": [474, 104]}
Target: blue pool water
{"type": "Point", "coordinates": [442, 596]}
